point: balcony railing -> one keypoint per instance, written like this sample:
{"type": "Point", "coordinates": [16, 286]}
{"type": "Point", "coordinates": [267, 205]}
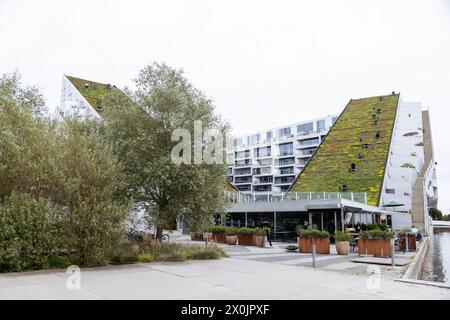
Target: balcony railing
{"type": "Point", "coordinates": [237, 197]}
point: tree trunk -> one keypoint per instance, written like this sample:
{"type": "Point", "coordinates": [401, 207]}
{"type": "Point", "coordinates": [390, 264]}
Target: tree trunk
{"type": "Point", "coordinates": [159, 230]}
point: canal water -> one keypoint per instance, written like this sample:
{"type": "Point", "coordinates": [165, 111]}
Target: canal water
{"type": "Point", "coordinates": [437, 263]}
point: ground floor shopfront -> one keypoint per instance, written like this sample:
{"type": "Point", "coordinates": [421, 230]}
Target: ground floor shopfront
{"type": "Point", "coordinates": [283, 217]}
{"type": "Point", "coordinates": [284, 224]}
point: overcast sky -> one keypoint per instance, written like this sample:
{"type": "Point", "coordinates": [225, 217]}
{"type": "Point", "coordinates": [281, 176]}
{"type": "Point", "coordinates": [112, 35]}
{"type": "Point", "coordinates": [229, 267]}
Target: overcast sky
{"type": "Point", "coordinates": [264, 63]}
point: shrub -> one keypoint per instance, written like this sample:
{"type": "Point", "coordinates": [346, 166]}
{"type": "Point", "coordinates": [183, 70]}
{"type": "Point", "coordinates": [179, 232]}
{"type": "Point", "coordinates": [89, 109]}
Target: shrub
{"type": "Point", "coordinates": [292, 247]}
{"type": "Point", "coordinates": [125, 252]}
{"type": "Point", "coordinates": [200, 253]}
{"type": "Point", "coordinates": [376, 235]}
{"type": "Point", "coordinates": [146, 257]}
{"type": "Point", "coordinates": [27, 233]}
{"type": "Point", "coordinates": [246, 231]}
{"type": "Point", "coordinates": [342, 236]}
{"type": "Point", "coordinates": [261, 231]}
{"type": "Point", "coordinates": [217, 229]}
{"type": "Point", "coordinates": [231, 231]}
{"type": "Point", "coordinates": [312, 232]}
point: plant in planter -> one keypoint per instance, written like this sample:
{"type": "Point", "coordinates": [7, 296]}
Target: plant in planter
{"type": "Point", "coordinates": [375, 242]}
{"type": "Point", "coordinates": [310, 236]}
{"type": "Point", "coordinates": [261, 236]}
{"type": "Point", "coordinates": [247, 236]}
{"type": "Point", "coordinates": [218, 234]}
{"type": "Point", "coordinates": [342, 242]}
{"type": "Point", "coordinates": [292, 248]}
{"type": "Point", "coordinates": [411, 240]}
{"type": "Point", "coordinates": [231, 235]}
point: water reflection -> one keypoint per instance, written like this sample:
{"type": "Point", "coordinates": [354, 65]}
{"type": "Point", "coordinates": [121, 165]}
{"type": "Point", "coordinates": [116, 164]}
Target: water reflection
{"type": "Point", "coordinates": [437, 263]}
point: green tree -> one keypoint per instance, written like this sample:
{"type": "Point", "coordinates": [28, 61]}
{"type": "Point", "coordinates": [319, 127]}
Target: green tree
{"type": "Point", "coordinates": [141, 131]}
{"type": "Point", "coordinates": [435, 213]}
{"type": "Point", "coordinates": [68, 165]}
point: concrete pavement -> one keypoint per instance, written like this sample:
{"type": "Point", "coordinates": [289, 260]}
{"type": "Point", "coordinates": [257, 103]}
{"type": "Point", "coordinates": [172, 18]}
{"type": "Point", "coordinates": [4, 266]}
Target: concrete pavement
{"type": "Point", "coordinates": [227, 278]}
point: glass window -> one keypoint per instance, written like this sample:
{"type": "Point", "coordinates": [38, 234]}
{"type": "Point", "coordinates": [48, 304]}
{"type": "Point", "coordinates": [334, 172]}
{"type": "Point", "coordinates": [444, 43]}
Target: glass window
{"type": "Point", "coordinates": [309, 142]}
{"type": "Point", "coordinates": [286, 149]}
{"type": "Point", "coordinates": [320, 125]}
{"type": "Point", "coordinates": [334, 120]}
{"type": "Point", "coordinates": [253, 139]}
{"type": "Point", "coordinates": [264, 162]}
{"type": "Point", "coordinates": [283, 162]}
{"type": "Point", "coordinates": [238, 142]}
{"type": "Point", "coordinates": [305, 128]}
{"type": "Point", "coordinates": [284, 133]}
{"type": "Point", "coordinates": [242, 171]}
{"type": "Point", "coordinates": [263, 152]}
{"type": "Point", "coordinates": [269, 135]}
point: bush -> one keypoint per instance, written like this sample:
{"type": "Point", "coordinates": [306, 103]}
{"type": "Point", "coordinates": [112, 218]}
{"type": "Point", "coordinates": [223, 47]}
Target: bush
{"type": "Point", "coordinates": [146, 257]}
{"type": "Point", "coordinates": [217, 229]}
{"type": "Point", "coordinates": [246, 231]}
{"type": "Point", "coordinates": [292, 247]}
{"type": "Point", "coordinates": [312, 232]}
{"type": "Point", "coordinates": [27, 233]}
{"type": "Point", "coordinates": [342, 236]}
{"type": "Point", "coordinates": [126, 252]}
{"type": "Point", "coordinates": [231, 231]}
{"type": "Point", "coordinates": [376, 235]}
{"type": "Point", "coordinates": [200, 253]}
{"type": "Point", "coordinates": [261, 231]}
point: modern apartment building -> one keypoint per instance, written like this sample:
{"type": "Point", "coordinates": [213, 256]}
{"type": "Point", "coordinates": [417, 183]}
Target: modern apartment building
{"type": "Point", "coordinates": [82, 97]}
{"type": "Point", "coordinates": [375, 164]}
{"type": "Point", "coordinates": [269, 160]}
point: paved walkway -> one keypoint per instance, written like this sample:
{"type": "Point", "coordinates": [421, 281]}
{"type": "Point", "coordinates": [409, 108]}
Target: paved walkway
{"type": "Point", "coordinates": [330, 262]}
{"type": "Point", "coordinates": [228, 278]}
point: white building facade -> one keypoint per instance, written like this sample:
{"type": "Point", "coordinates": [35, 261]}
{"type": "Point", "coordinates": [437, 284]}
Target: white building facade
{"type": "Point", "coordinates": [268, 161]}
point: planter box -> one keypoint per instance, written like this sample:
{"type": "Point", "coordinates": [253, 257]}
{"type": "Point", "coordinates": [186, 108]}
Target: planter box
{"type": "Point", "coordinates": [322, 245]}
{"type": "Point", "coordinates": [219, 237]}
{"type": "Point", "coordinates": [196, 236]}
{"type": "Point", "coordinates": [260, 241]}
{"type": "Point", "coordinates": [342, 247]}
{"type": "Point", "coordinates": [375, 247]}
{"type": "Point", "coordinates": [411, 242]}
{"type": "Point", "coordinates": [231, 240]}
{"type": "Point", "coordinates": [247, 239]}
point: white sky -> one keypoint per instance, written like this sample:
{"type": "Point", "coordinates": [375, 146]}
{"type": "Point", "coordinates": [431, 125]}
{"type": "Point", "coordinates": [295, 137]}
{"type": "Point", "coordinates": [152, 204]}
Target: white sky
{"type": "Point", "coordinates": [265, 63]}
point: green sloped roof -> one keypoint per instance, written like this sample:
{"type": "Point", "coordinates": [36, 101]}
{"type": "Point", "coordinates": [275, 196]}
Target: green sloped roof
{"type": "Point", "coordinates": [329, 168]}
{"type": "Point", "coordinates": [229, 187]}
{"type": "Point", "coordinates": [95, 92]}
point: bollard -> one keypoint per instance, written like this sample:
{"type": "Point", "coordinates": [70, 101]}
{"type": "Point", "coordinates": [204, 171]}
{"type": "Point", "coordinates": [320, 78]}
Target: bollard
{"type": "Point", "coordinates": [406, 242]}
{"type": "Point", "coordinates": [205, 237]}
{"type": "Point", "coordinates": [314, 255]}
{"type": "Point", "coordinates": [393, 252]}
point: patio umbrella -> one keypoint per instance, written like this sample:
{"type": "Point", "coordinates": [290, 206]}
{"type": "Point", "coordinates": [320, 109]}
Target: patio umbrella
{"type": "Point", "coordinates": [393, 204]}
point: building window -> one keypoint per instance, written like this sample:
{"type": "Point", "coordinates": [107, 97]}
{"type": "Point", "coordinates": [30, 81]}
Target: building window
{"type": "Point", "coordinates": [320, 125]}
{"type": "Point", "coordinates": [253, 139]}
{"type": "Point", "coordinates": [390, 191]}
{"type": "Point", "coordinates": [269, 136]}
{"type": "Point", "coordinates": [309, 142]}
{"type": "Point", "coordinates": [334, 120]}
{"type": "Point", "coordinates": [305, 128]}
{"type": "Point", "coordinates": [288, 161]}
{"type": "Point", "coordinates": [263, 152]}
{"type": "Point", "coordinates": [284, 133]}
{"type": "Point", "coordinates": [286, 149]}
